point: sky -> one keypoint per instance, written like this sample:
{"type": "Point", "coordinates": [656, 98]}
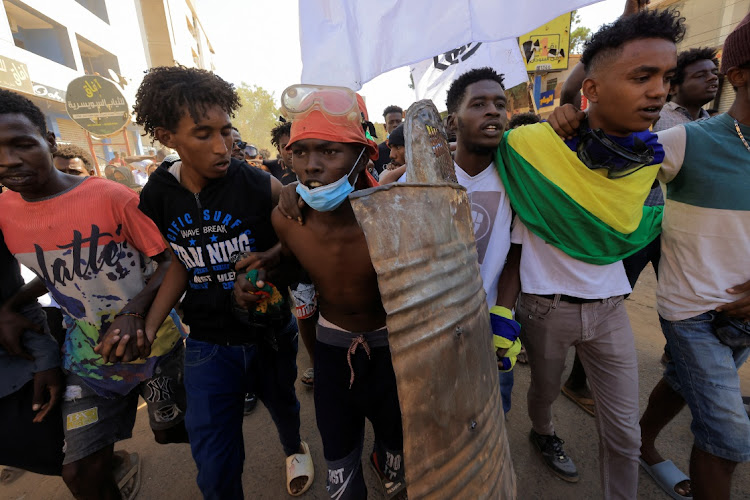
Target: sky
{"type": "Point", "coordinates": [257, 42]}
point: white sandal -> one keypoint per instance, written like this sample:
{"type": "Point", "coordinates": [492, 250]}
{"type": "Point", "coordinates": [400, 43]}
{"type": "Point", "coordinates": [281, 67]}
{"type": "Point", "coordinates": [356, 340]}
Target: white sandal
{"type": "Point", "coordinates": [299, 465]}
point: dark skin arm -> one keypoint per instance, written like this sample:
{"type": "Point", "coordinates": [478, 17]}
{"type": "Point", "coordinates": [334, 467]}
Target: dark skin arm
{"type": "Point", "coordinates": [267, 263]}
{"type": "Point", "coordinates": [739, 308]}
{"type": "Point", "coordinates": [125, 339]}
{"type": "Point", "coordinates": [46, 382]}
{"type": "Point", "coordinates": [12, 324]}
{"type": "Point", "coordinates": [173, 285]}
{"type": "Point", "coordinates": [509, 284]}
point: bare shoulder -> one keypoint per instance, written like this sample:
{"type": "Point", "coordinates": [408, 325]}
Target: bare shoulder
{"type": "Point", "coordinates": [281, 225]}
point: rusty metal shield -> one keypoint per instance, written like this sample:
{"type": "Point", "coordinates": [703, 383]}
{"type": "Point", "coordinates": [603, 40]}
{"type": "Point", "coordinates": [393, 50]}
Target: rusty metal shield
{"type": "Point", "coordinates": [422, 247]}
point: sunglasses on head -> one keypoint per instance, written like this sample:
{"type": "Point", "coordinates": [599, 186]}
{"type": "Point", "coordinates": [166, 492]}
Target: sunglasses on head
{"type": "Point", "coordinates": [596, 150]}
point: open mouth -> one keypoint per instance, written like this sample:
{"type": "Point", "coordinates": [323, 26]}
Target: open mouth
{"type": "Point", "coordinates": [491, 127]}
{"type": "Point", "coordinates": [652, 109]}
{"type": "Point", "coordinates": [313, 184]}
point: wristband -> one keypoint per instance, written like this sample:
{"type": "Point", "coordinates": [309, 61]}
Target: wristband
{"type": "Point", "coordinates": [505, 330]}
{"type": "Point", "coordinates": [130, 313]}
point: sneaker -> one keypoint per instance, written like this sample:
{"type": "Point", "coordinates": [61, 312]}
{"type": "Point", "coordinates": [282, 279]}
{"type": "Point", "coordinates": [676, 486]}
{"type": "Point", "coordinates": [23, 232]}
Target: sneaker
{"type": "Point", "coordinates": [250, 402]}
{"type": "Point", "coordinates": [554, 456]}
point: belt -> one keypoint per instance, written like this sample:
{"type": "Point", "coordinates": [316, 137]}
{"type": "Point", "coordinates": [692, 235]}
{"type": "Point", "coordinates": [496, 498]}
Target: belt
{"type": "Point", "coordinates": [571, 300]}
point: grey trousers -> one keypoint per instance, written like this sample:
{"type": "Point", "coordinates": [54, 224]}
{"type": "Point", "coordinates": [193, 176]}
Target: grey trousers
{"type": "Point", "coordinates": [601, 334]}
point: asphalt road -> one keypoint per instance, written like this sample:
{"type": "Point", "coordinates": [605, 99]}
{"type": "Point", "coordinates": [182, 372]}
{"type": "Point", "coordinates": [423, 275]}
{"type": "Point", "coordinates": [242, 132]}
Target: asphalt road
{"type": "Point", "coordinates": [168, 472]}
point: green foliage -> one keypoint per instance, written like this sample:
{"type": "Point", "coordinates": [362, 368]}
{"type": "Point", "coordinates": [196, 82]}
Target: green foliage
{"type": "Point", "coordinates": [257, 116]}
{"type": "Point", "coordinates": [579, 35]}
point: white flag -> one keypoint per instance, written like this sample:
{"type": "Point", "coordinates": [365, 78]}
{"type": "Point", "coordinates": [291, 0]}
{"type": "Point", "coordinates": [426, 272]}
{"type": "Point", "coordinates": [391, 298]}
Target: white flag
{"type": "Point", "coordinates": [432, 77]}
{"type": "Point", "coordinates": [350, 42]}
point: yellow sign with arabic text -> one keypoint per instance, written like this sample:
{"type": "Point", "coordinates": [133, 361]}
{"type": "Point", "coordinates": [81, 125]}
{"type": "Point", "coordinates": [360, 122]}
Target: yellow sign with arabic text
{"type": "Point", "coordinates": [546, 48]}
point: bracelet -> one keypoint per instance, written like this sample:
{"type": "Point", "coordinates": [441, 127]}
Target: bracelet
{"type": "Point", "coordinates": [130, 313]}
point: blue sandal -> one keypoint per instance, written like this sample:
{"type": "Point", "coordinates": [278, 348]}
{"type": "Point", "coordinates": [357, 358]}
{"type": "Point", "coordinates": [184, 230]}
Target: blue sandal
{"type": "Point", "coordinates": [667, 475]}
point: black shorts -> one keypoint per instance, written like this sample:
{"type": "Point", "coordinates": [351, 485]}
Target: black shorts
{"type": "Point", "coordinates": [24, 444]}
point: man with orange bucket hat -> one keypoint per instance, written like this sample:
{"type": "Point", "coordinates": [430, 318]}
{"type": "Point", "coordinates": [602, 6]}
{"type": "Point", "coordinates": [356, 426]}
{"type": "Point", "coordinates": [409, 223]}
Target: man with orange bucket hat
{"type": "Point", "coordinates": [354, 376]}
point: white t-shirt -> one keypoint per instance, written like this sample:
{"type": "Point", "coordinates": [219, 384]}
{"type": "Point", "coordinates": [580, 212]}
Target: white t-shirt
{"type": "Point", "coordinates": [492, 215]}
{"type": "Point", "coordinates": [547, 270]}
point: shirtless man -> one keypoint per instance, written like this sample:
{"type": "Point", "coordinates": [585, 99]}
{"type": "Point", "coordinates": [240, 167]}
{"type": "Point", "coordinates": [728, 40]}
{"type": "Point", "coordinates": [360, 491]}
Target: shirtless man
{"type": "Point", "coordinates": [354, 375]}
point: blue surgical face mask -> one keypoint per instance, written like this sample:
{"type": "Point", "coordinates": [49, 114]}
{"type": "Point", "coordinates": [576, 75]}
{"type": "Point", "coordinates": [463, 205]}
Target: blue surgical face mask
{"type": "Point", "coordinates": [329, 197]}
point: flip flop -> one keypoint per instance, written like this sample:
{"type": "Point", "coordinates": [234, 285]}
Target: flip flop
{"type": "Point", "coordinates": [308, 378]}
{"type": "Point", "coordinates": [667, 475]}
{"type": "Point", "coordinates": [586, 404]}
{"type": "Point", "coordinates": [299, 465]}
{"type": "Point", "coordinates": [394, 490]}
{"type": "Point", "coordinates": [128, 475]}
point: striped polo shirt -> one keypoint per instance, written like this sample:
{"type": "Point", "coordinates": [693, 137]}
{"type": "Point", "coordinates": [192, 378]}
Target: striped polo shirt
{"type": "Point", "coordinates": [705, 241]}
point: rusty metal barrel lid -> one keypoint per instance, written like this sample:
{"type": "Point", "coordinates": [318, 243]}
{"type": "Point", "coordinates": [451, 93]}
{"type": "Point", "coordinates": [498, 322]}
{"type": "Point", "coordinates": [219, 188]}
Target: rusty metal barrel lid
{"type": "Point", "coordinates": [422, 247]}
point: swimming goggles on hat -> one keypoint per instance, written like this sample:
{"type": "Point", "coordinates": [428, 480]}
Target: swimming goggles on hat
{"type": "Point", "coordinates": [597, 150]}
{"type": "Point", "coordinates": [302, 98]}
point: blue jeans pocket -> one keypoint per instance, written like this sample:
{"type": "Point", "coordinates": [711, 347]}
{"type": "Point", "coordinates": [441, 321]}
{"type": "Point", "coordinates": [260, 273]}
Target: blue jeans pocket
{"type": "Point", "coordinates": [198, 353]}
{"type": "Point", "coordinates": [732, 332]}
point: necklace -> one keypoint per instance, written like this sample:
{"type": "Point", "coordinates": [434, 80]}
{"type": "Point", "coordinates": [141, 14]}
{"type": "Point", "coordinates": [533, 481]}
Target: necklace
{"type": "Point", "coordinates": [739, 133]}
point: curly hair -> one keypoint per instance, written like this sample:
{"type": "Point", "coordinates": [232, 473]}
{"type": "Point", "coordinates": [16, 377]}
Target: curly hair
{"type": "Point", "coordinates": [12, 103]}
{"type": "Point", "coordinates": [70, 151]}
{"type": "Point", "coordinates": [280, 130]}
{"type": "Point", "coordinates": [392, 109]}
{"type": "Point", "coordinates": [523, 119]}
{"type": "Point", "coordinates": [688, 57]}
{"type": "Point", "coordinates": [457, 89]}
{"type": "Point", "coordinates": [665, 24]}
{"type": "Point", "coordinates": [167, 92]}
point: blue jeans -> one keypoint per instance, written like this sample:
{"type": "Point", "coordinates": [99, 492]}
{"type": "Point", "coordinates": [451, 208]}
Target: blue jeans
{"type": "Point", "coordinates": [216, 380]}
{"type": "Point", "coordinates": [704, 371]}
{"type": "Point", "coordinates": [506, 388]}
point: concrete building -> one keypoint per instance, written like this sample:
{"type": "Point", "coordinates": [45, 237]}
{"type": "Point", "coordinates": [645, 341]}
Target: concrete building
{"type": "Point", "coordinates": [708, 24]}
{"type": "Point", "coordinates": [44, 44]}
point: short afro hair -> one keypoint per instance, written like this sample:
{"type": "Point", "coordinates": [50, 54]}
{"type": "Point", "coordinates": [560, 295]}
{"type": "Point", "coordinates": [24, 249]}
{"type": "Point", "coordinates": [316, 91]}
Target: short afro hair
{"type": "Point", "coordinates": [688, 57]}
{"type": "Point", "coordinates": [12, 103]}
{"type": "Point", "coordinates": [523, 119]}
{"type": "Point", "coordinates": [665, 24]}
{"type": "Point", "coordinates": [392, 109]}
{"type": "Point", "coordinates": [70, 151]}
{"type": "Point", "coordinates": [167, 92]}
{"type": "Point", "coordinates": [457, 89]}
{"type": "Point", "coordinates": [280, 130]}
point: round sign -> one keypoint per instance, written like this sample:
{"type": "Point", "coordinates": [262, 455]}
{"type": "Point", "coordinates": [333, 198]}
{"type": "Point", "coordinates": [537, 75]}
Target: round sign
{"type": "Point", "coordinates": [97, 105]}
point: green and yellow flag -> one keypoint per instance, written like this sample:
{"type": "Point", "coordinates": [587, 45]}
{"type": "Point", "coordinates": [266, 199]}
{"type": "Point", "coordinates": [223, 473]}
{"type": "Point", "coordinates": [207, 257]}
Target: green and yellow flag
{"type": "Point", "coordinates": [581, 211]}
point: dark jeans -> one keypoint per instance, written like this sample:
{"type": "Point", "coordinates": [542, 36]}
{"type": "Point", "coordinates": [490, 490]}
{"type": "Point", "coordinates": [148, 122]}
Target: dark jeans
{"type": "Point", "coordinates": [506, 389]}
{"type": "Point", "coordinates": [216, 380]}
{"type": "Point", "coordinates": [636, 263]}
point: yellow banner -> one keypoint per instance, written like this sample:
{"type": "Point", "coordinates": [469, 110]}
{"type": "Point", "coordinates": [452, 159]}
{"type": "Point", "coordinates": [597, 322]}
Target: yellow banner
{"type": "Point", "coordinates": [546, 48]}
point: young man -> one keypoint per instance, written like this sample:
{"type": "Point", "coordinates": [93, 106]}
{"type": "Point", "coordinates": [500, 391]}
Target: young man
{"type": "Point", "coordinates": [281, 168]}
{"type": "Point", "coordinates": [73, 160]}
{"type": "Point", "coordinates": [706, 316]}
{"type": "Point", "coordinates": [395, 169]}
{"type": "Point", "coordinates": [573, 238]}
{"type": "Point", "coordinates": [393, 117]}
{"type": "Point", "coordinates": [215, 211]}
{"type": "Point", "coordinates": [354, 376]}
{"type": "Point", "coordinates": [476, 113]}
{"type": "Point", "coordinates": [476, 105]}
{"type": "Point", "coordinates": [94, 265]}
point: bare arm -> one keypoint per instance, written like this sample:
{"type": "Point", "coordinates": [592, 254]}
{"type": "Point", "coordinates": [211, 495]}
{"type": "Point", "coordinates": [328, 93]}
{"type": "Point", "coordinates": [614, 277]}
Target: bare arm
{"type": "Point", "coordinates": [509, 284]}
{"type": "Point", "coordinates": [115, 345]}
{"type": "Point", "coordinates": [173, 286]}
